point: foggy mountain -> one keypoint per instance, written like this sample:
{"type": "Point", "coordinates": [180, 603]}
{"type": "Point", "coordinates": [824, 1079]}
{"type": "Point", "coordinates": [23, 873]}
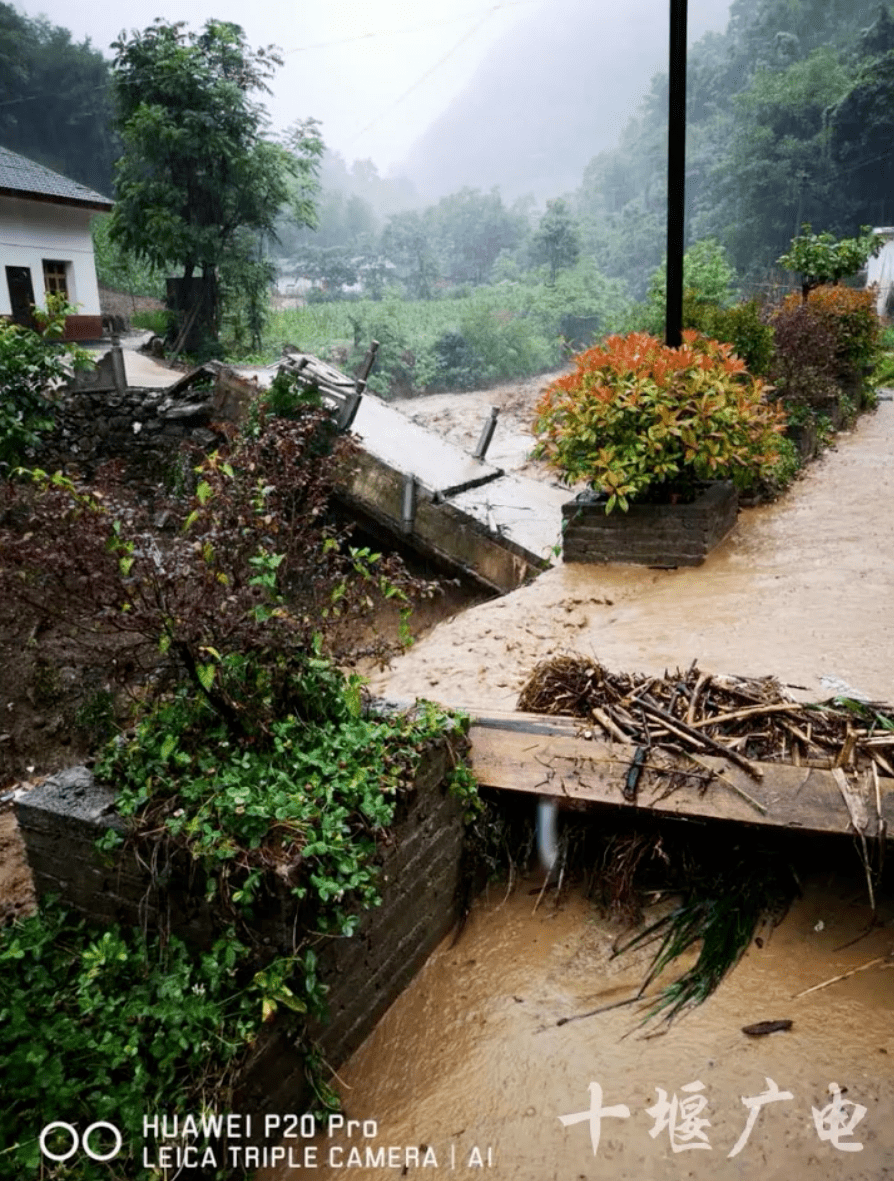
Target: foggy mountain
{"type": "Point", "coordinates": [551, 95]}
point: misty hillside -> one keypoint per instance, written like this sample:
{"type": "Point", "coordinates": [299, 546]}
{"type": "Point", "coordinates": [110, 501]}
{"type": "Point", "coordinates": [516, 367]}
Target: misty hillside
{"type": "Point", "coordinates": [551, 95]}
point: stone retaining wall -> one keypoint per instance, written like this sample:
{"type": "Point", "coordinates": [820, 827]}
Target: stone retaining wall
{"type": "Point", "coordinates": [145, 428]}
{"type": "Point", "coordinates": [665, 535]}
{"type": "Point", "coordinates": [420, 870]}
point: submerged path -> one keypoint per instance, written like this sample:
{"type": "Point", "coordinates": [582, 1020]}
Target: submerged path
{"type": "Point", "coordinates": [801, 589]}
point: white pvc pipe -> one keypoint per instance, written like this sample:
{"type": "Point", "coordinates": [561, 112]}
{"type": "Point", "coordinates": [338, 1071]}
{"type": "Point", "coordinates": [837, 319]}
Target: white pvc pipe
{"type": "Point", "coordinates": [547, 842]}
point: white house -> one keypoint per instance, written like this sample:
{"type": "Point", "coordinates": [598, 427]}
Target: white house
{"type": "Point", "coordinates": [45, 243]}
{"type": "Point", "coordinates": [880, 271]}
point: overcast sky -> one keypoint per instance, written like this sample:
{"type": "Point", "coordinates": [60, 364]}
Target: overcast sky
{"type": "Point", "coordinates": [375, 73]}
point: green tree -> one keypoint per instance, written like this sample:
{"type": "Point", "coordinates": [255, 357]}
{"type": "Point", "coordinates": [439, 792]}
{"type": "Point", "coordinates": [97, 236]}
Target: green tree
{"type": "Point", "coordinates": [758, 139]}
{"type": "Point", "coordinates": [775, 170]}
{"type": "Point", "coordinates": [708, 278]}
{"type": "Point", "coordinates": [472, 228]}
{"type": "Point", "coordinates": [55, 99]}
{"type": "Point", "coordinates": [823, 258]}
{"type": "Point", "coordinates": [197, 173]}
{"type": "Point", "coordinates": [406, 242]}
{"type": "Point", "coordinates": [861, 128]}
{"type": "Point", "coordinates": [556, 241]}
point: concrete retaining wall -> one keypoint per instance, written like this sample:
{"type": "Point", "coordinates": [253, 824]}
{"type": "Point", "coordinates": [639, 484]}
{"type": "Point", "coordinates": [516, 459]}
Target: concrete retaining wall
{"type": "Point", "coordinates": [649, 534]}
{"type": "Point", "coordinates": [439, 529]}
{"type": "Point", "coordinates": [420, 866]}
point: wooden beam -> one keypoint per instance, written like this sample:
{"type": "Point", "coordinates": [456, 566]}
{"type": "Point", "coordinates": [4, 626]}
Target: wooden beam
{"type": "Point", "coordinates": [550, 756]}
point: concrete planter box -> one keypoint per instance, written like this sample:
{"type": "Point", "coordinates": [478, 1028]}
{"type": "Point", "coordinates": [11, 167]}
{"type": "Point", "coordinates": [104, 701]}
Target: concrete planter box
{"type": "Point", "coordinates": [420, 879]}
{"type": "Point", "coordinates": [665, 535]}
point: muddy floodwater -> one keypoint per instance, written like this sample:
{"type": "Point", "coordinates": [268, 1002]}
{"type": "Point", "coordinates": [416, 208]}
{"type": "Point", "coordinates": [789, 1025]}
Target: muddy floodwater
{"type": "Point", "coordinates": [471, 1065]}
{"type": "Point", "coordinates": [800, 589]}
{"type": "Point", "coordinates": [470, 1073]}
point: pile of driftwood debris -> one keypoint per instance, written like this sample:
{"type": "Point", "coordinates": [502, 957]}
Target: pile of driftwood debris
{"type": "Point", "coordinates": [726, 888]}
{"type": "Point", "coordinates": [745, 719]}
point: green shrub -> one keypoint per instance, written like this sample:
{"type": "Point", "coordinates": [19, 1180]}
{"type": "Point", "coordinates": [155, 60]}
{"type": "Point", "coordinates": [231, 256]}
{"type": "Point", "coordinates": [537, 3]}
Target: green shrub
{"type": "Point", "coordinates": [102, 1024]}
{"type": "Point", "coordinates": [823, 344]}
{"type": "Point", "coordinates": [851, 316]}
{"type": "Point", "coordinates": [824, 259]}
{"type": "Point", "coordinates": [744, 327]}
{"type": "Point", "coordinates": [804, 367]}
{"type": "Point", "coordinates": [884, 370]}
{"type": "Point", "coordinates": [94, 718]}
{"type": "Point", "coordinates": [636, 417]}
{"type": "Point", "coordinates": [395, 361]}
{"type": "Point", "coordinates": [308, 800]}
{"type": "Point", "coordinates": [708, 281]}
{"type": "Point", "coordinates": [33, 364]}
{"type": "Point", "coordinates": [508, 343]}
{"type": "Point", "coordinates": [157, 321]}
{"type": "Point", "coordinates": [457, 366]}
{"type": "Point", "coordinates": [773, 480]}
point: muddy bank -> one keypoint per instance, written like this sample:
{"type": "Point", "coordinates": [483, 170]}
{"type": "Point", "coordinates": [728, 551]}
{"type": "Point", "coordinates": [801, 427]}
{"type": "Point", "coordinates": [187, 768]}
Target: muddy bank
{"type": "Point", "coordinates": [800, 589]}
{"type": "Point", "coordinates": [471, 1056]}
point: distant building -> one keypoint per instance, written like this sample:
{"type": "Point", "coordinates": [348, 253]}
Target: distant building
{"type": "Point", "coordinates": [880, 271]}
{"type": "Point", "coordinates": [45, 244]}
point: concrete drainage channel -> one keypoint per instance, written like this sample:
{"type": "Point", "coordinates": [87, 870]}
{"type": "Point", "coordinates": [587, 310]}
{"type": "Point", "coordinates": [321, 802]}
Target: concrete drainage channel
{"type": "Point", "coordinates": [61, 820]}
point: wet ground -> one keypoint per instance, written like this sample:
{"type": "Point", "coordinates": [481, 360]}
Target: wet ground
{"type": "Point", "coordinates": [472, 1055]}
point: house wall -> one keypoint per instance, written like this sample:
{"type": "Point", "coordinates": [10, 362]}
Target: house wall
{"type": "Point", "coordinates": [880, 271]}
{"type": "Point", "coordinates": [31, 231]}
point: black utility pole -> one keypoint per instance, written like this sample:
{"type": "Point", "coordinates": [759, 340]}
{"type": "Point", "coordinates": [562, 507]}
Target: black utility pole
{"type": "Point", "coordinates": [676, 173]}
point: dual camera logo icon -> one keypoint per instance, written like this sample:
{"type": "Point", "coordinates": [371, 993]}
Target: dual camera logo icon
{"type": "Point", "coordinates": [78, 1141]}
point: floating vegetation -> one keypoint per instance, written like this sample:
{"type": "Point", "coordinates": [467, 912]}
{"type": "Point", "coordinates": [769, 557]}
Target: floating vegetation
{"type": "Point", "coordinates": [722, 913]}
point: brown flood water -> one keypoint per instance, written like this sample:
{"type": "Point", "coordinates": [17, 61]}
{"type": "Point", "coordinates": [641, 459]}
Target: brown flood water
{"type": "Point", "coordinates": [471, 1058]}
{"type": "Point", "coordinates": [800, 589]}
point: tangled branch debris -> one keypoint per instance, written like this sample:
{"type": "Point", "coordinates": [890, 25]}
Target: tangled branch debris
{"type": "Point", "coordinates": [748, 720]}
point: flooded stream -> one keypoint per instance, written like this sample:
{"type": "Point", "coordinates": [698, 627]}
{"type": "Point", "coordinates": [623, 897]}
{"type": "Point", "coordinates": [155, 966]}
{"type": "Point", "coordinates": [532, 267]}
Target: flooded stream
{"type": "Point", "coordinates": [800, 589]}
{"type": "Point", "coordinates": [471, 1068]}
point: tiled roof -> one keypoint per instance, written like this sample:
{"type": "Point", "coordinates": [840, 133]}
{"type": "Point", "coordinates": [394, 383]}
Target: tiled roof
{"type": "Point", "coordinates": [22, 177]}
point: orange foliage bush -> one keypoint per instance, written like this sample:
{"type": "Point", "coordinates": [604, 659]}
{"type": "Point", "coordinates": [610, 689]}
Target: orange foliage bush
{"type": "Point", "coordinates": [636, 414]}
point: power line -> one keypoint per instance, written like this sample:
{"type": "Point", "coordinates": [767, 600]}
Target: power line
{"type": "Point", "coordinates": [436, 66]}
{"type": "Point", "coordinates": [421, 28]}
{"type": "Point", "coordinates": [373, 34]}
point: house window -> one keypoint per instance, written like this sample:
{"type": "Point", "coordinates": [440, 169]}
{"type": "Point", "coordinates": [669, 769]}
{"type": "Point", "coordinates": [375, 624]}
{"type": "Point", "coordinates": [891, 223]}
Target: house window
{"type": "Point", "coordinates": [55, 277]}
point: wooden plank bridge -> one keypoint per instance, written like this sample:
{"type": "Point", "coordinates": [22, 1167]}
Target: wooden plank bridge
{"type": "Point", "coordinates": [560, 758]}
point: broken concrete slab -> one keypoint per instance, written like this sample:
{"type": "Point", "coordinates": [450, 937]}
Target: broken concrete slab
{"type": "Point", "coordinates": [437, 465]}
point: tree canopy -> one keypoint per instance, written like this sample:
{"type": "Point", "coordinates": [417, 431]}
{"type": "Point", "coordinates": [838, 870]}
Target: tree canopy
{"type": "Point", "coordinates": [789, 119]}
{"type": "Point", "coordinates": [55, 101]}
{"type": "Point", "coordinates": [556, 241]}
{"type": "Point", "coordinates": [197, 173]}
